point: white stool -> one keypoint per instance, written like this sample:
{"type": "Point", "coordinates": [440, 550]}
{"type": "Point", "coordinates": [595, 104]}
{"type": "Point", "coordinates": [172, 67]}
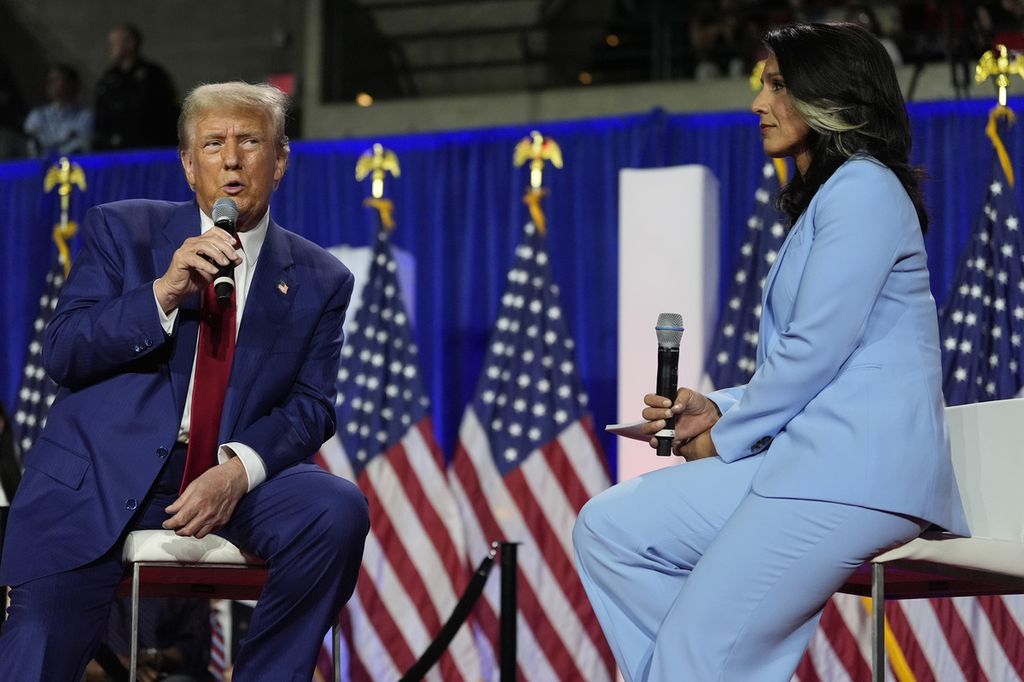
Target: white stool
{"type": "Point", "coordinates": [165, 565]}
{"type": "Point", "coordinates": [985, 440]}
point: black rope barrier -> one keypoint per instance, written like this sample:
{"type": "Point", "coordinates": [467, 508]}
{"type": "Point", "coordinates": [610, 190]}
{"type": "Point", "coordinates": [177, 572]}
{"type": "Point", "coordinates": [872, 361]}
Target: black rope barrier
{"type": "Point", "coordinates": [466, 602]}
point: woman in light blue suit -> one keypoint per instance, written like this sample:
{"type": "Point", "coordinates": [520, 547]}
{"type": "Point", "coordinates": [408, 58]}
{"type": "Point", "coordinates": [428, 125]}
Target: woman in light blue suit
{"type": "Point", "coordinates": [837, 447]}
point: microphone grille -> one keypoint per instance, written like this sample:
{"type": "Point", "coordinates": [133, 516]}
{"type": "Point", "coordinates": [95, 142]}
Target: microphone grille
{"type": "Point", "coordinates": [225, 208]}
{"type": "Point", "coordinates": [669, 329]}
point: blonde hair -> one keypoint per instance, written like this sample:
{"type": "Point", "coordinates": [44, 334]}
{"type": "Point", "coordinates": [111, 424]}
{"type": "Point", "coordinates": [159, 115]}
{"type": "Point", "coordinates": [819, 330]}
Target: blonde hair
{"type": "Point", "coordinates": [827, 117]}
{"type": "Point", "coordinates": [259, 98]}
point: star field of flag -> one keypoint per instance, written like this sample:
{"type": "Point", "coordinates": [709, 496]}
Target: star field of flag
{"type": "Point", "coordinates": [37, 389]}
{"type": "Point", "coordinates": [731, 362]}
{"type": "Point", "coordinates": [529, 391]}
{"type": "Point", "coordinates": [982, 322]}
{"type": "Point", "coordinates": [380, 394]}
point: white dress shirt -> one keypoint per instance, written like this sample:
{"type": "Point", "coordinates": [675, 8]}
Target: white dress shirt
{"type": "Point", "coordinates": [252, 243]}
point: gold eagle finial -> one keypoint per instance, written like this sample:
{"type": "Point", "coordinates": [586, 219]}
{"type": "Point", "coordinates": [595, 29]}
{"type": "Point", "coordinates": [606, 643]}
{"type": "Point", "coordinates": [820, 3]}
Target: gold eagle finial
{"type": "Point", "coordinates": [377, 162]}
{"type": "Point", "coordinates": [998, 63]}
{"type": "Point", "coordinates": [537, 149]}
{"type": "Point", "coordinates": [756, 74]}
{"type": "Point", "coordinates": [65, 176]}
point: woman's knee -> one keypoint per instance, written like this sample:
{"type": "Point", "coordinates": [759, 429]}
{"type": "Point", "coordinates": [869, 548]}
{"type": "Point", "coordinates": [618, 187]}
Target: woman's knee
{"type": "Point", "coordinates": [597, 522]}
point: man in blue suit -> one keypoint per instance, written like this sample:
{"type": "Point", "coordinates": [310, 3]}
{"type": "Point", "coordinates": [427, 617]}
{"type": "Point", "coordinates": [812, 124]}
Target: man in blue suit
{"type": "Point", "coordinates": [135, 391]}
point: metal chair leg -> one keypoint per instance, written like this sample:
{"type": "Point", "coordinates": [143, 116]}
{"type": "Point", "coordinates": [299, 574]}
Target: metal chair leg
{"type": "Point", "coordinates": [336, 649]}
{"type": "Point", "coordinates": [877, 623]}
{"type": "Point", "coordinates": [133, 661]}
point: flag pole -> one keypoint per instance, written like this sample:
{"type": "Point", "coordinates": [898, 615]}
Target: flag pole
{"type": "Point", "coordinates": [537, 149]}
{"type": "Point", "coordinates": [374, 163]}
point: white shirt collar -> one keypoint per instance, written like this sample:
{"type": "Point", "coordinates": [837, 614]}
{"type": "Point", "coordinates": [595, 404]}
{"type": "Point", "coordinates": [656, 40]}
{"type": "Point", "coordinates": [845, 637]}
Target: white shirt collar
{"type": "Point", "coordinates": [252, 240]}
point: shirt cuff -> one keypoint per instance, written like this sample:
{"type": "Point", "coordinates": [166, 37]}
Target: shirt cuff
{"type": "Point", "coordinates": [166, 319]}
{"type": "Point", "coordinates": [255, 470]}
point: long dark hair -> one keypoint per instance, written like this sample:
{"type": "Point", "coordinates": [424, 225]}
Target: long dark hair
{"type": "Point", "coordinates": [842, 83]}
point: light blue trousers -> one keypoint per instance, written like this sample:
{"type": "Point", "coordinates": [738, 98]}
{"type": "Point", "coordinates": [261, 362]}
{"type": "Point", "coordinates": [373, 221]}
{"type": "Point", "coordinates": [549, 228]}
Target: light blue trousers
{"type": "Point", "coordinates": [695, 578]}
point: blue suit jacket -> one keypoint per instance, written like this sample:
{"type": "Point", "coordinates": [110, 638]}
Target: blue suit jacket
{"type": "Point", "coordinates": [847, 396]}
{"type": "Point", "coordinates": [123, 381]}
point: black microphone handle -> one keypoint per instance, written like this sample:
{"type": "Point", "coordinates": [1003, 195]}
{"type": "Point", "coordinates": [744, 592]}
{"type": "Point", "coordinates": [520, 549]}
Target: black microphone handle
{"type": "Point", "coordinates": [224, 281]}
{"type": "Point", "coordinates": [668, 385]}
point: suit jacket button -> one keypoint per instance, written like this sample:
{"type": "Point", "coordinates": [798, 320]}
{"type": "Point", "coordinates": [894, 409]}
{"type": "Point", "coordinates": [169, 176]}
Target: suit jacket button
{"type": "Point", "coordinates": [131, 504]}
{"type": "Point", "coordinates": [161, 452]}
{"type": "Point", "coordinates": [136, 348]}
{"type": "Point", "coordinates": [147, 342]}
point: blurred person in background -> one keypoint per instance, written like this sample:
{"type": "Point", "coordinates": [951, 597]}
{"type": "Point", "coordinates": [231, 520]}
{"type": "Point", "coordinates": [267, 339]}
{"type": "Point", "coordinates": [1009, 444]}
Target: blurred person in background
{"type": "Point", "coordinates": [63, 126]}
{"type": "Point", "coordinates": [136, 105]}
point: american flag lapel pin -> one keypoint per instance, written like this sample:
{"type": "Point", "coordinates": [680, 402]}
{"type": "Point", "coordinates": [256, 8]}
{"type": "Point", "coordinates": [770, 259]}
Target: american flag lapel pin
{"type": "Point", "coordinates": [282, 287]}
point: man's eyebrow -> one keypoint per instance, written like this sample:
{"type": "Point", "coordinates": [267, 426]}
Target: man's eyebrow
{"type": "Point", "coordinates": [770, 74]}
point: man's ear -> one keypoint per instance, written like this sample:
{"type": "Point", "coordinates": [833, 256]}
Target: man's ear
{"type": "Point", "coordinates": [281, 164]}
{"type": "Point", "coordinates": [186, 164]}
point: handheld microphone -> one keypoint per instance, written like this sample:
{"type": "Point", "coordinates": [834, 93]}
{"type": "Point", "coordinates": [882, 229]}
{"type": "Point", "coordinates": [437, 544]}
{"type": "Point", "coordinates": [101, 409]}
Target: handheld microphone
{"type": "Point", "coordinates": [225, 213]}
{"type": "Point", "coordinates": [669, 330]}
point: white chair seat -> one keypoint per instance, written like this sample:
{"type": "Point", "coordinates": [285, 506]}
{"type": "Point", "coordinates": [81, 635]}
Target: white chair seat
{"type": "Point", "coordinates": [974, 553]}
{"type": "Point", "coordinates": [165, 546]}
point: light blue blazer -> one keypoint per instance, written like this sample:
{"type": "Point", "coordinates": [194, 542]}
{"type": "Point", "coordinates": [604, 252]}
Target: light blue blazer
{"type": "Point", "coordinates": [847, 396]}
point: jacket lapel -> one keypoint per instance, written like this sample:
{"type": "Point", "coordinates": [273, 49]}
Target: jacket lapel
{"type": "Point", "coordinates": [184, 223]}
{"type": "Point", "coordinates": [767, 328]}
{"type": "Point", "coordinates": [267, 306]}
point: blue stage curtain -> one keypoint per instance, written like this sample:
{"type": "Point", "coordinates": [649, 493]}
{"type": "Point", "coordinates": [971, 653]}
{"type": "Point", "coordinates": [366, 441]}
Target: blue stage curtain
{"type": "Point", "coordinates": [459, 212]}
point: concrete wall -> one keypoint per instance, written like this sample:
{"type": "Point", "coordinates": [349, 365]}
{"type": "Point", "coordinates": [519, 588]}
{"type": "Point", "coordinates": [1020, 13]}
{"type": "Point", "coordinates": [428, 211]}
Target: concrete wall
{"type": "Point", "coordinates": [473, 111]}
{"type": "Point", "coordinates": [199, 41]}
{"type": "Point", "coordinates": [195, 40]}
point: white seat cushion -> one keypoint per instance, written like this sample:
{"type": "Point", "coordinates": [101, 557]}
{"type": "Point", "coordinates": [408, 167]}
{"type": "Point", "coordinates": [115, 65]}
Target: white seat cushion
{"type": "Point", "coordinates": [982, 554]}
{"type": "Point", "coordinates": [164, 545]}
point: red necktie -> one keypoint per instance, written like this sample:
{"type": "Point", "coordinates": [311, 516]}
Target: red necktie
{"type": "Point", "coordinates": [213, 367]}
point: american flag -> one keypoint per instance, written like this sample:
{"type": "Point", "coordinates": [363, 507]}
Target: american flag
{"type": "Point", "coordinates": [731, 361]}
{"type": "Point", "coordinates": [982, 322]}
{"type": "Point", "coordinates": [526, 461]}
{"type": "Point", "coordinates": [220, 613]}
{"type": "Point", "coordinates": [37, 389]}
{"type": "Point", "coordinates": [968, 639]}
{"type": "Point", "coordinates": [414, 566]}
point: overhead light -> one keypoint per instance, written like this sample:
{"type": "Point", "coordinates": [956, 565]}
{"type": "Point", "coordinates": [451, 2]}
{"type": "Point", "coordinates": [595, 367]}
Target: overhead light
{"type": "Point", "coordinates": [586, 78]}
{"type": "Point", "coordinates": [364, 99]}
{"type": "Point", "coordinates": [612, 40]}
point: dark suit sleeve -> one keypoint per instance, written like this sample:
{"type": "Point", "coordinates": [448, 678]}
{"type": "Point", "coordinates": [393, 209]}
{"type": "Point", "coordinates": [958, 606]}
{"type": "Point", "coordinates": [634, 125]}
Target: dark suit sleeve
{"type": "Point", "coordinates": [298, 425]}
{"type": "Point", "coordinates": [99, 327]}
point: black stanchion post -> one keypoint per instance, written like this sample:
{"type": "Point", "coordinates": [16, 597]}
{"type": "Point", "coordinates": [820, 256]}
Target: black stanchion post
{"type": "Point", "coordinates": [509, 607]}
{"type": "Point", "coordinates": [3, 588]}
